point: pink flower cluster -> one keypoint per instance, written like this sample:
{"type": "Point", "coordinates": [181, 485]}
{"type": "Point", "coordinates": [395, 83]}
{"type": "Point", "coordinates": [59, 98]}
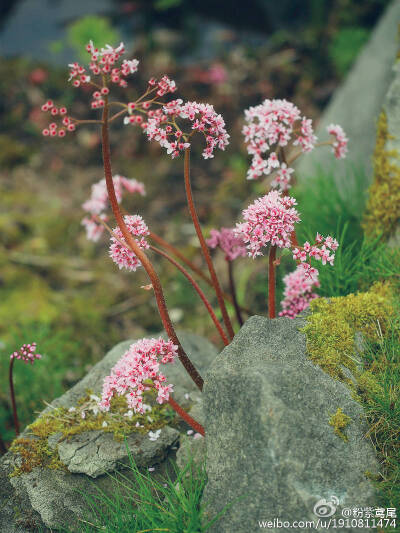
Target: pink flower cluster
{"type": "Point", "coordinates": [140, 364]}
{"type": "Point", "coordinates": [322, 250]}
{"type": "Point", "coordinates": [272, 124]}
{"type": "Point", "coordinates": [339, 147]}
{"type": "Point", "coordinates": [26, 353]}
{"type": "Point", "coordinates": [161, 127]}
{"type": "Point", "coordinates": [282, 178]}
{"type": "Point", "coordinates": [54, 129]}
{"type": "Point", "coordinates": [122, 255]}
{"type": "Point", "coordinates": [98, 202]}
{"type": "Point", "coordinates": [230, 243]}
{"type": "Point", "coordinates": [298, 292]}
{"type": "Point", "coordinates": [269, 219]}
{"type": "Point", "coordinates": [103, 63]}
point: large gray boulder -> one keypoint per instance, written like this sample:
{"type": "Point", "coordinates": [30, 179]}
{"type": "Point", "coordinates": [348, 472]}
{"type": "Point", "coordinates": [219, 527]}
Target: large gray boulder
{"type": "Point", "coordinates": [357, 103]}
{"type": "Point", "coordinates": [47, 499]}
{"type": "Point", "coordinates": [271, 452]}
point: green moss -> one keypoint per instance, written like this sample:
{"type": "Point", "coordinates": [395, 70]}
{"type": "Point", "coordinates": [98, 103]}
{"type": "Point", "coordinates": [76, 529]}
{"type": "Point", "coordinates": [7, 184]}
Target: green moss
{"type": "Point", "coordinates": [33, 453]}
{"type": "Point", "coordinates": [331, 343]}
{"type": "Point", "coordinates": [331, 327]}
{"type": "Point", "coordinates": [383, 206]}
{"type": "Point", "coordinates": [84, 416]}
{"type": "Point", "coordinates": [339, 421]}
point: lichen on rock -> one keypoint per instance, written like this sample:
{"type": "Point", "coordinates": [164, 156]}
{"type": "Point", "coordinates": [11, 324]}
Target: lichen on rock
{"type": "Point", "coordinates": [339, 421]}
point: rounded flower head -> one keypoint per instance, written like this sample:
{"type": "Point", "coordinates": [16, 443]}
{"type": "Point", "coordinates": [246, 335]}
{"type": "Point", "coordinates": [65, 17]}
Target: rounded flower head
{"type": "Point", "coordinates": [122, 255]}
{"type": "Point", "coordinates": [230, 243]}
{"type": "Point", "coordinates": [26, 353]}
{"type": "Point", "coordinates": [298, 292]}
{"type": "Point", "coordinates": [270, 126]}
{"type": "Point", "coordinates": [139, 365]}
{"type": "Point", "coordinates": [269, 220]}
{"type": "Point", "coordinates": [339, 146]}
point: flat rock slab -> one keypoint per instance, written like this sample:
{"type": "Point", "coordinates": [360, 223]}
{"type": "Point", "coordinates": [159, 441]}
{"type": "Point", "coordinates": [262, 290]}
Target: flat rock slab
{"type": "Point", "coordinates": [271, 452]}
{"type": "Point", "coordinates": [95, 453]}
{"type": "Point", "coordinates": [45, 499]}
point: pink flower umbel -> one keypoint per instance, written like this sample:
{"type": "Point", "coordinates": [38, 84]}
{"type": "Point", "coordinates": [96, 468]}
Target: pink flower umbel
{"type": "Point", "coordinates": [162, 126]}
{"type": "Point", "coordinates": [123, 255]}
{"type": "Point", "coordinates": [270, 127]}
{"type": "Point", "coordinates": [339, 147]}
{"type": "Point", "coordinates": [98, 202]}
{"type": "Point", "coordinates": [140, 365]}
{"type": "Point", "coordinates": [269, 220]}
{"type": "Point", "coordinates": [231, 244]}
{"type": "Point", "coordinates": [298, 292]}
{"type": "Point", "coordinates": [27, 353]}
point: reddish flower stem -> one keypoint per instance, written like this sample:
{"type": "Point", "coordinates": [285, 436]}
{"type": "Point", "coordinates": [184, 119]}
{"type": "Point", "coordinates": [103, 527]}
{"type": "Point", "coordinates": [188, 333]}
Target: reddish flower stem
{"type": "Point", "coordinates": [181, 412]}
{"type": "Point", "coordinates": [198, 290]}
{"type": "Point", "coordinates": [155, 281]}
{"type": "Point", "coordinates": [204, 247]}
{"type": "Point", "coordinates": [12, 394]}
{"type": "Point", "coordinates": [233, 292]}
{"type": "Point", "coordinates": [159, 240]}
{"type": "Point", "coordinates": [271, 282]}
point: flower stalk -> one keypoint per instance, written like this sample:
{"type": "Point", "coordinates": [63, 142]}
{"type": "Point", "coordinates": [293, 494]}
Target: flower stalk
{"type": "Point", "coordinates": [158, 292]}
{"type": "Point", "coordinates": [204, 247]}
{"type": "Point", "coordinates": [271, 281]}
{"type": "Point", "coordinates": [12, 395]}
{"type": "Point", "coordinates": [232, 287]}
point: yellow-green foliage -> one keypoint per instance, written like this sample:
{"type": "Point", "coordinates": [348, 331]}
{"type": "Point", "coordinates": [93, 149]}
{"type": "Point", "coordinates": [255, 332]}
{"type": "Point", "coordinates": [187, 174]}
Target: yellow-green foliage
{"type": "Point", "coordinates": [35, 452]}
{"type": "Point", "coordinates": [383, 207]}
{"type": "Point", "coordinates": [331, 327]}
{"type": "Point", "coordinates": [339, 421]}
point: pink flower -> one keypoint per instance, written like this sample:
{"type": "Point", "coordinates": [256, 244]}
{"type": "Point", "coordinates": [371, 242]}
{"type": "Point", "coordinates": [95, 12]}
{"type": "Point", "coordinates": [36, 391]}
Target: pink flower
{"type": "Point", "coordinates": [282, 178]}
{"type": "Point", "coordinates": [269, 219]}
{"type": "Point", "coordinates": [94, 230]}
{"type": "Point", "coordinates": [122, 255]}
{"type": "Point", "coordinates": [230, 243]}
{"type": "Point", "coordinates": [271, 125]}
{"type": "Point", "coordinates": [321, 250]}
{"type": "Point", "coordinates": [26, 353]}
{"type": "Point", "coordinates": [339, 146]}
{"type": "Point", "coordinates": [98, 200]}
{"type": "Point", "coordinates": [140, 364]}
{"type": "Point", "coordinates": [203, 119]}
{"type": "Point", "coordinates": [298, 291]}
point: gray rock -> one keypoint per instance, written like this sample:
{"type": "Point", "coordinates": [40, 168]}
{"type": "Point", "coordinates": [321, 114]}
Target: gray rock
{"type": "Point", "coordinates": [191, 449]}
{"type": "Point", "coordinates": [271, 452]}
{"type": "Point", "coordinates": [95, 453]}
{"type": "Point", "coordinates": [357, 104]}
{"type": "Point", "coordinates": [53, 499]}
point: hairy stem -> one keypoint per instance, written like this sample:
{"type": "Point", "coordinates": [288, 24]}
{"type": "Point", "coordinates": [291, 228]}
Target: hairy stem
{"type": "Point", "coordinates": [182, 413]}
{"type": "Point", "coordinates": [204, 247]}
{"type": "Point", "coordinates": [271, 282]}
{"type": "Point", "coordinates": [198, 290]}
{"type": "Point", "coordinates": [232, 287]}
{"type": "Point", "coordinates": [155, 281]}
{"type": "Point", "coordinates": [12, 394]}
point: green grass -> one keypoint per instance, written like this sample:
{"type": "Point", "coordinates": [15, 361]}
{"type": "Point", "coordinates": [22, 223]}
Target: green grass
{"type": "Point", "coordinates": [141, 502]}
{"type": "Point", "coordinates": [382, 408]}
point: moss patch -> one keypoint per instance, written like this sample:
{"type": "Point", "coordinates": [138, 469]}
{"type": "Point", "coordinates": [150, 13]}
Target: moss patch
{"type": "Point", "coordinates": [332, 326]}
{"type": "Point", "coordinates": [339, 421]}
{"type": "Point", "coordinates": [331, 343]}
{"type": "Point", "coordinates": [85, 416]}
{"type": "Point", "coordinates": [383, 207]}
